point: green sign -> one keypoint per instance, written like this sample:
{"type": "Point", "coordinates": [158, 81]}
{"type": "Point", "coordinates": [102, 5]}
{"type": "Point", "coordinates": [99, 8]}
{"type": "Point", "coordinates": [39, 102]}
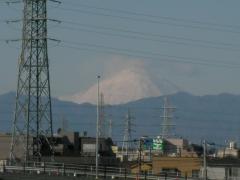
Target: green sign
{"type": "Point", "coordinates": [158, 144]}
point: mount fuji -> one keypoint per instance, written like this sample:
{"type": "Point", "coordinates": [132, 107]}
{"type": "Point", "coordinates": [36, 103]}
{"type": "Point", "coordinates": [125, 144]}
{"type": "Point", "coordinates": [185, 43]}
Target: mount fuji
{"type": "Point", "coordinates": [127, 85]}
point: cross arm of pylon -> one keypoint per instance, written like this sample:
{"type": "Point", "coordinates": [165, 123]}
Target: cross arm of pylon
{"type": "Point", "coordinates": [13, 21]}
{"type": "Point", "coordinates": [19, 1]}
{"type": "Point", "coordinates": [168, 125]}
{"type": "Point", "coordinates": [168, 107]}
{"type": "Point", "coordinates": [20, 20]}
{"type": "Point", "coordinates": [55, 1]}
{"type": "Point", "coordinates": [167, 116]}
{"type": "Point", "coordinates": [13, 2]}
{"type": "Point", "coordinates": [17, 40]}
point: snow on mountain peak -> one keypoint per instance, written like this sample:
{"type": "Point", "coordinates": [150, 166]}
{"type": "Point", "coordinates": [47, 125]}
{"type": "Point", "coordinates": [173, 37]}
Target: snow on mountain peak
{"type": "Point", "coordinates": [128, 85]}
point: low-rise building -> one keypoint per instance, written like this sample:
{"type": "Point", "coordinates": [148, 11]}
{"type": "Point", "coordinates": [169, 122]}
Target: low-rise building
{"type": "Point", "coordinates": [178, 147]}
{"type": "Point", "coordinates": [230, 151]}
{"type": "Point", "coordinates": [68, 147]}
{"type": "Point", "coordinates": [182, 166]}
{"type": "Point", "coordinates": [143, 167]}
{"type": "Point", "coordinates": [223, 168]}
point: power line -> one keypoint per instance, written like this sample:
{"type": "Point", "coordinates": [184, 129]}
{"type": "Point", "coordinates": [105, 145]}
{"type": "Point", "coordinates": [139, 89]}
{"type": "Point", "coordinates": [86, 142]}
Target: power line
{"type": "Point", "coordinates": [207, 25]}
{"type": "Point", "coordinates": [141, 54]}
{"type": "Point", "coordinates": [123, 30]}
{"type": "Point", "coordinates": [152, 16]}
{"type": "Point", "coordinates": [145, 57]}
{"type": "Point", "coordinates": [148, 39]}
{"type": "Point", "coordinates": [152, 37]}
{"type": "Point", "coordinates": [155, 16]}
{"type": "Point", "coordinates": [147, 20]}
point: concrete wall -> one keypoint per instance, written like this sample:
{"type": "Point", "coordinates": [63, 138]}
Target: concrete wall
{"type": "Point", "coordinates": [216, 173]}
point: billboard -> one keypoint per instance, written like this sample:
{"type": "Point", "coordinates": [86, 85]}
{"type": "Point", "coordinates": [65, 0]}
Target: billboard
{"type": "Point", "coordinates": [158, 144]}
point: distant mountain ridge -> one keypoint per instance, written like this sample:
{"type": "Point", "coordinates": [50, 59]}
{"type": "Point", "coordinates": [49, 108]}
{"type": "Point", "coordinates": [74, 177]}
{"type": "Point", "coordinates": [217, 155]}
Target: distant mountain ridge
{"type": "Point", "coordinates": [211, 117]}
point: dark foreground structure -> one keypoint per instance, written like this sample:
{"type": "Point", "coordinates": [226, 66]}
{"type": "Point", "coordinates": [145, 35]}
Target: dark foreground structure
{"type": "Point", "coordinates": [30, 177]}
{"type": "Point", "coordinates": [46, 177]}
{"type": "Point", "coordinates": [52, 171]}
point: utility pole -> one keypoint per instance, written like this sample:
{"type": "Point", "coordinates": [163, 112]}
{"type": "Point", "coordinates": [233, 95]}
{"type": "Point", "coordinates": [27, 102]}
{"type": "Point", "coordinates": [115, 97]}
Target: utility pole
{"type": "Point", "coordinates": [64, 125]}
{"type": "Point", "coordinates": [127, 139]}
{"type": "Point", "coordinates": [97, 126]}
{"type": "Point", "coordinates": [102, 123]}
{"type": "Point", "coordinates": [110, 124]}
{"type": "Point", "coordinates": [140, 157]}
{"type": "Point", "coordinates": [204, 160]}
{"type": "Point", "coordinates": [167, 118]}
{"type": "Point", "coordinates": [32, 124]}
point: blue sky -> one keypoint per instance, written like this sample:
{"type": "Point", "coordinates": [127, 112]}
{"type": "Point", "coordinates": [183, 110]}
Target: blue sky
{"type": "Point", "coordinates": [97, 38]}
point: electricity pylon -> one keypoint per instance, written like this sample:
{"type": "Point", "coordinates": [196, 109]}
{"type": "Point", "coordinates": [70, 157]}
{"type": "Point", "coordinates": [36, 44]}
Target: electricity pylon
{"type": "Point", "coordinates": [127, 145]}
{"type": "Point", "coordinates": [32, 126]}
{"type": "Point", "coordinates": [167, 118]}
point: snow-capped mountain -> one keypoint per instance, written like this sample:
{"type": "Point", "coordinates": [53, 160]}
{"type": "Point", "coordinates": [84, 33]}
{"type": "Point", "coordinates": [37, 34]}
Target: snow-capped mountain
{"type": "Point", "coordinates": [128, 85]}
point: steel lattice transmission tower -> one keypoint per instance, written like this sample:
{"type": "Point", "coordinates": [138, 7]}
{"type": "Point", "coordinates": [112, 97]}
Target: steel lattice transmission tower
{"type": "Point", "coordinates": [167, 118]}
{"type": "Point", "coordinates": [32, 125]}
{"type": "Point", "coordinates": [127, 145]}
